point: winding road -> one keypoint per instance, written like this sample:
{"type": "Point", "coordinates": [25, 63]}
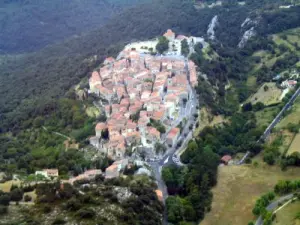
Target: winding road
{"type": "Point", "coordinates": [277, 119]}
{"type": "Point", "coordinates": [272, 206]}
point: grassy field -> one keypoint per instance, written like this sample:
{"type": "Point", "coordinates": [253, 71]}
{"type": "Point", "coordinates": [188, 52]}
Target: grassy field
{"type": "Point", "coordinates": [295, 146]}
{"type": "Point", "coordinates": [286, 216]}
{"type": "Point", "coordinates": [206, 119]}
{"type": "Point", "coordinates": [286, 137]}
{"type": "Point", "coordinates": [237, 190]}
{"type": "Point", "coordinates": [271, 96]}
{"type": "Point", "coordinates": [7, 185]}
{"type": "Point", "coordinates": [292, 117]}
{"type": "Point", "coordinates": [265, 117]}
{"type": "Point", "coordinates": [288, 39]}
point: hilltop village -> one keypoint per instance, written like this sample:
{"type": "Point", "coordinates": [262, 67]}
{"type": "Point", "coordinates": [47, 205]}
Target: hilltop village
{"type": "Point", "coordinates": [144, 96]}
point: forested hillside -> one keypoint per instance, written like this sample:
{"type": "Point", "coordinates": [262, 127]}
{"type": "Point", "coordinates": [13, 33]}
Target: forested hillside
{"type": "Point", "coordinates": [31, 25]}
{"type": "Point", "coordinates": [48, 74]}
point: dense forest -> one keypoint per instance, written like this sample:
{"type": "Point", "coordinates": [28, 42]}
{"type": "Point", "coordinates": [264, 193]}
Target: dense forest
{"type": "Point", "coordinates": [31, 25]}
{"type": "Point", "coordinates": [49, 73]}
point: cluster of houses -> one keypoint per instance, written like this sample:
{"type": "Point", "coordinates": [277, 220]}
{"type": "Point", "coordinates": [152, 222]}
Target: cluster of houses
{"type": "Point", "coordinates": [175, 42]}
{"type": "Point", "coordinates": [112, 171]}
{"type": "Point", "coordinates": [289, 82]}
{"type": "Point", "coordinates": [135, 90]}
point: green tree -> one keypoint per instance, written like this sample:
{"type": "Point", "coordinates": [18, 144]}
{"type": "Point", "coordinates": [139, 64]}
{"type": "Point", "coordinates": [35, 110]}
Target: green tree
{"type": "Point", "coordinates": [185, 50]}
{"type": "Point", "coordinates": [162, 45]}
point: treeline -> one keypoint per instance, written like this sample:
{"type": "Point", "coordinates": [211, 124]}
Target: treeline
{"type": "Point", "coordinates": [283, 187]}
{"type": "Point", "coordinates": [189, 188]}
{"type": "Point", "coordinates": [36, 146]}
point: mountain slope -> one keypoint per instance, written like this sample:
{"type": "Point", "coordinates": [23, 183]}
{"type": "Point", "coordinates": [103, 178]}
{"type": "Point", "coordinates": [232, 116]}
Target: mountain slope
{"type": "Point", "coordinates": [46, 75]}
{"type": "Point", "coordinates": [31, 25]}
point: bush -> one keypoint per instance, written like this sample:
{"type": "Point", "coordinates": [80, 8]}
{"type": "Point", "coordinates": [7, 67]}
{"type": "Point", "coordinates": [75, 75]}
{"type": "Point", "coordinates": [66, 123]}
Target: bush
{"type": "Point", "coordinates": [59, 220]}
{"type": "Point", "coordinates": [73, 204]}
{"type": "Point", "coordinates": [28, 188]}
{"type": "Point", "coordinates": [3, 209]}
{"type": "Point", "coordinates": [86, 213]}
{"type": "Point", "coordinates": [47, 209]}
{"type": "Point", "coordinates": [4, 199]}
{"type": "Point", "coordinates": [27, 198]}
{"type": "Point", "coordinates": [16, 195]}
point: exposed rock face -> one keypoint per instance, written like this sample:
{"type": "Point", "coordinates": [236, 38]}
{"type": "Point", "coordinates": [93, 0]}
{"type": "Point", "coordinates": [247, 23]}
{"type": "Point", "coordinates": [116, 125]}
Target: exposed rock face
{"type": "Point", "coordinates": [247, 35]}
{"type": "Point", "coordinates": [211, 28]}
{"type": "Point", "coordinates": [246, 22]}
{"type": "Point", "coordinates": [123, 193]}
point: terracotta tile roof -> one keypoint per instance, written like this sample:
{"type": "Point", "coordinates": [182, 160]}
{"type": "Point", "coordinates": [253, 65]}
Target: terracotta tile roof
{"type": "Point", "coordinates": [158, 115]}
{"type": "Point", "coordinates": [181, 37]}
{"type": "Point", "coordinates": [95, 77]}
{"type": "Point", "coordinates": [173, 133]}
{"type": "Point", "coordinates": [101, 126]}
{"type": "Point", "coordinates": [226, 158]}
{"type": "Point", "coordinates": [159, 195]}
{"type": "Point", "coordinates": [169, 33]}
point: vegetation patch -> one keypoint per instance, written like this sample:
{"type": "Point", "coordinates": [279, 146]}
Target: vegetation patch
{"type": "Point", "coordinates": [292, 115]}
{"type": "Point", "coordinates": [230, 203]}
{"type": "Point", "coordinates": [289, 215]}
{"type": "Point", "coordinates": [267, 94]}
{"type": "Point", "coordinates": [295, 146]}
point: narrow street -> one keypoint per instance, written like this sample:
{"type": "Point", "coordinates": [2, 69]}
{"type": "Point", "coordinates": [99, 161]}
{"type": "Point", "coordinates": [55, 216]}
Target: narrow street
{"type": "Point", "coordinates": [187, 112]}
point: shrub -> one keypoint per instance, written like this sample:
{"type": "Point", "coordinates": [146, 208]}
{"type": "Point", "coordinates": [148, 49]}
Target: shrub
{"type": "Point", "coordinates": [47, 209]}
{"type": "Point", "coordinates": [16, 195]}
{"type": "Point", "coordinates": [59, 220]}
{"type": "Point", "coordinates": [86, 213]}
{"type": "Point", "coordinates": [27, 198]}
{"type": "Point", "coordinates": [3, 209]}
{"type": "Point", "coordinates": [73, 204]}
{"type": "Point", "coordinates": [4, 199]}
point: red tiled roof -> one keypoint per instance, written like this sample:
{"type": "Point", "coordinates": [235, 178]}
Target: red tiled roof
{"type": "Point", "coordinates": [173, 132]}
{"type": "Point", "coordinates": [226, 158]}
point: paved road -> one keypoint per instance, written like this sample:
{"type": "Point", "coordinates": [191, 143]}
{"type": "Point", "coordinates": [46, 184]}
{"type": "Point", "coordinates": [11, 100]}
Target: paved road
{"type": "Point", "coordinates": [272, 206]}
{"type": "Point", "coordinates": [277, 119]}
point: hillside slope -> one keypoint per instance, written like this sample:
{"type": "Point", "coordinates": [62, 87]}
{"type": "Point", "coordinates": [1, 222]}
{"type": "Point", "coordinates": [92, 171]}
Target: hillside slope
{"type": "Point", "coordinates": [31, 25]}
{"type": "Point", "coordinates": [46, 75]}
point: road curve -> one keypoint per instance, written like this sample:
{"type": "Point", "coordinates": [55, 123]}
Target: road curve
{"type": "Point", "coordinates": [274, 122]}
{"type": "Point", "coordinates": [272, 206]}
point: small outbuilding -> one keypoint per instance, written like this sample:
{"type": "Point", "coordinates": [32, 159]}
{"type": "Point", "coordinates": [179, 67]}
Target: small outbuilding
{"type": "Point", "coordinates": [226, 159]}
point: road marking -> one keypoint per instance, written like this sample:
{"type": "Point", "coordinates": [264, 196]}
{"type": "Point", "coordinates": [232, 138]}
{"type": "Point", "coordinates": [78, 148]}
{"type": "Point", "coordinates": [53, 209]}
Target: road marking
{"type": "Point", "coordinates": [167, 159]}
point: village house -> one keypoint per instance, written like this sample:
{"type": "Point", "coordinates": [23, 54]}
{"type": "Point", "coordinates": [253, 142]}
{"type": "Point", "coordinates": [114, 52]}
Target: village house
{"type": "Point", "coordinates": [170, 35]}
{"type": "Point", "coordinates": [159, 195]}
{"type": "Point", "coordinates": [114, 170]}
{"type": "Point", "coordinates": [172, 136]}
{"type": "Point", "coordinates": [289, 84]}
{"type": "Point", "coordinates": [139, 87]}
{"type": "Point", "coordinates": [48, 173]}
{"type": "Point", "coordinates": [87, 175]}
{"type": "Point", "coordinates": [226, 159]}
{"type": "Point", "coordinates": [150, 137]}
{"type": "Point", "coordinates": [99, 128]}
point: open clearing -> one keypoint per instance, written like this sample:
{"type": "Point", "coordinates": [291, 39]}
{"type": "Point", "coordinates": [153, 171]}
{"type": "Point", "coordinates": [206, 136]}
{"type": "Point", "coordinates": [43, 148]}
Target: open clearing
{"type": "Point", "coordinates": [237, 190]}
{"type": "Point", "coordinates": [206, 119]}
{"type": "Point", "coordinates": [286, 216]}
{"type": "Point", "coordinates": [265, 117]}
{"type": "Point", "coordinates": [5, 187]}
{"type": "Point", "coordinates": [286, 139]}
{"type": "Point", "coordinates": [142, 46]}
{"type": "Point", "coordinates": [292, 117]}
{"type": "Point", "coordinates": [295, 146]}
{"type": "Point", "coordinates": [271, 96]}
